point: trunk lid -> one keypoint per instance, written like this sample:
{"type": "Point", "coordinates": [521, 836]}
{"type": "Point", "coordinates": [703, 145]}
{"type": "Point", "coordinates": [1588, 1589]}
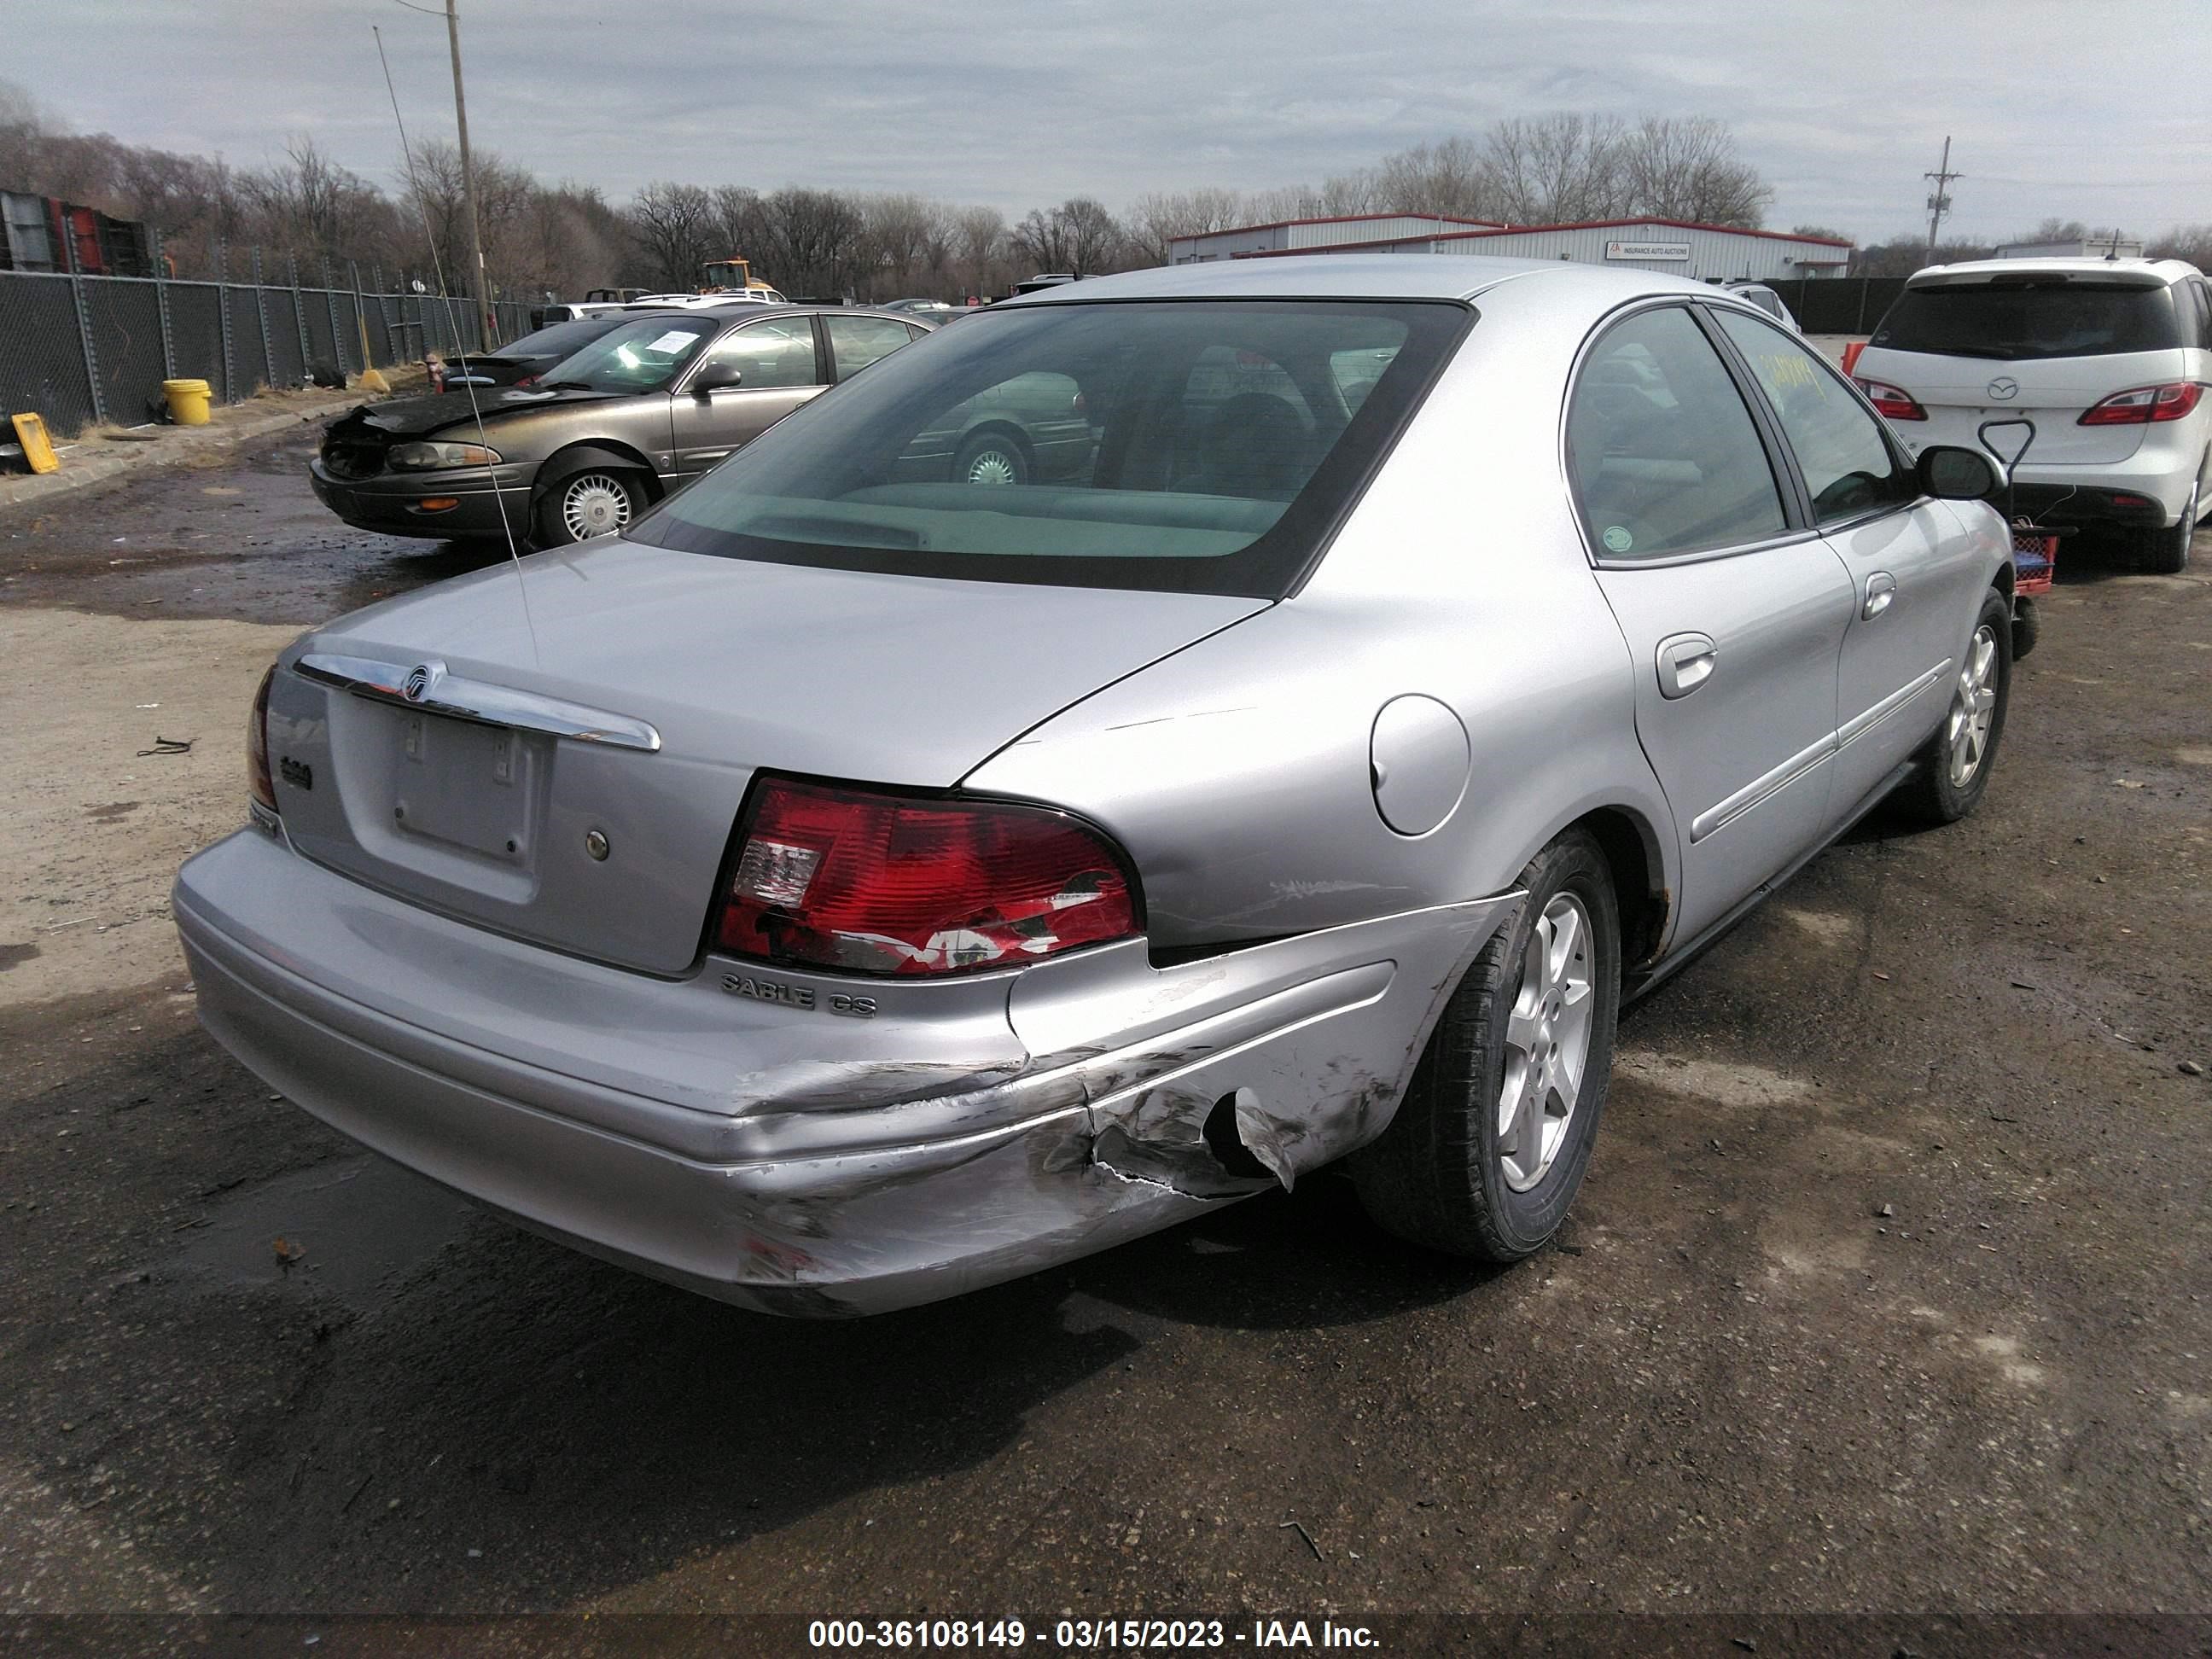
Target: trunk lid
{"type": "Point", "coordinates": [613, 851]}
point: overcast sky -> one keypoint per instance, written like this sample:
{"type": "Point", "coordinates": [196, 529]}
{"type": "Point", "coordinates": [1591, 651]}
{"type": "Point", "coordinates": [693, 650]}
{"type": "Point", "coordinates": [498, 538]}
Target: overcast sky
{"type": "Point", "coordinates": [2082, 108]}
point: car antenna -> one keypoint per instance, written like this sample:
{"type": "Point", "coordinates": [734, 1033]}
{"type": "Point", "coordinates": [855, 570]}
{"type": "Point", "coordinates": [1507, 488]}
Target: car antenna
{"type": "Point", "coordinates": [468, 381]}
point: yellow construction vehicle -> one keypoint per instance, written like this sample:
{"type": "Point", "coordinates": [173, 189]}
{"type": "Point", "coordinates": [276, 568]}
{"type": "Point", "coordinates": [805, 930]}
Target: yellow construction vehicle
{"type": "Point", "coordinates": [735, 276]}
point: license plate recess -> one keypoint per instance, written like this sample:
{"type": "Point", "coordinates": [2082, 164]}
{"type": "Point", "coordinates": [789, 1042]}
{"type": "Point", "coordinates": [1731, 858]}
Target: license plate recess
{"type": "Point", "coordinates": [466, 785]}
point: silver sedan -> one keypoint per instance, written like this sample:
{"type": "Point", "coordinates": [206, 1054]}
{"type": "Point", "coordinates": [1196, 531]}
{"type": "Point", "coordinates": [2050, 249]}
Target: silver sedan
{"type": "Point", "coordinates": [855, 884]}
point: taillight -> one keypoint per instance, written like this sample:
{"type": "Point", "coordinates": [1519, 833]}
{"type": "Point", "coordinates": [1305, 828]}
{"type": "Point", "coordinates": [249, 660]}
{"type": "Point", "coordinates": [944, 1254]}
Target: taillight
{"type": "Point", "coordinates": [2140, 406]}
{"type": "Point", "coordinates": [1892, 401]}
{"type": "Point", "coordinates": [258, 780]}
{"type": "Point", "coordinates": [527, 380]}
{"type": "Point", "coordinates": [827, 876]}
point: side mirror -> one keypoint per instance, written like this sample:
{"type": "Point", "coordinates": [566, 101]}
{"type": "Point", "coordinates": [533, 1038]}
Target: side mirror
{"type": "Point", "coordinates": [1951, 474]}
{"type": "Point", "coordinates": [713, 377]}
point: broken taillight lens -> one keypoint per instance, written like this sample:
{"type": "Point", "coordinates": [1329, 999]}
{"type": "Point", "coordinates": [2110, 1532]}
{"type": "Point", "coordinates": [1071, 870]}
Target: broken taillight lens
{"type": "Point", "coordinates": [830, 876]}
{"type": "Point", "coordinates": [257, 745]}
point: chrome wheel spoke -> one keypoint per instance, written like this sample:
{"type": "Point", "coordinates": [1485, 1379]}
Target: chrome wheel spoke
{"type": "Point", "coordinates": [1973, 709]}
{"type": "Point", "coordinates": [1521, 1027]}
{"type": "Point", "coordinates": [1547, 1041]}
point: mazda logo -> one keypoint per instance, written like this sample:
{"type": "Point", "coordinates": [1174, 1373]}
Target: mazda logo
{"type": "Point", "coordinates": [2004, 388]}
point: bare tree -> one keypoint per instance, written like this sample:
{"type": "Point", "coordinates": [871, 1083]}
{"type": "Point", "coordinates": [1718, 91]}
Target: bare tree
{"type": "Point", "coordinates": [811, 241]}
{"type": "Point", "coordinates": [1158, 219]}
{"type": "Point", "coordinates": [899, 232]}
{"type": "Point", "coordinates": [674, 228]}
{"type": "Point", "coordinates": [309, 208]}
{"type": "Point", "coordinates": [1686, 167]}
{"type": "Point", "coordinates": [1551, 169]}
{"type": "Point", "coordinates": [1907, 252]}
{"type": "Point", "coordinates": [1448, 177]}
{"type": "Point", "coordinates": [1334, 197]}
{"type": "Point", "coordinates": [2189, 242]}
{"type": "Point", "coordinates": [979, 248]}
{"type": "Point", "coordinates": [1079, 237]}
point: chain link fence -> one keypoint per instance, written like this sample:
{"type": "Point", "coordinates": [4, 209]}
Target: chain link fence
{"type": "Point", "coordinates": [76, 350]}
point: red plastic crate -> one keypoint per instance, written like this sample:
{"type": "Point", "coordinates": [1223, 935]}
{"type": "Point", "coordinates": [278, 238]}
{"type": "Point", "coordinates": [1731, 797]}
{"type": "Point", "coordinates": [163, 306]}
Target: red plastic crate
{"type": "Point", "coordinates": [2034, 560]}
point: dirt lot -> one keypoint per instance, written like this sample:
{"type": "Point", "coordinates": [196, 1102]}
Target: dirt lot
{"type": "Point", "coordinates": [1886, 1294]}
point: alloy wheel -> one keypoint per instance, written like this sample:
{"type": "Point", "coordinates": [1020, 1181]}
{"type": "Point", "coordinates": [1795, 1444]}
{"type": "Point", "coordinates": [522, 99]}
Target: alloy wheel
{"type": "Point", "coordinates": [1974, 707]}
{"type": "Point", "coordinates": [1547, 1043]}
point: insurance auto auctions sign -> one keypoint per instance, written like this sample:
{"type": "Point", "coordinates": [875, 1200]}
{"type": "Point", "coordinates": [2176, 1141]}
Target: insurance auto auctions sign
{"type": "Point", "coordinates": [1647, 249]}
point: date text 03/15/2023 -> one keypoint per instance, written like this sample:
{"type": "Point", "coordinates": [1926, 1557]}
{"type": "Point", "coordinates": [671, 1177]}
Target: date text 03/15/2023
{"type": "Point", "coordinates": [1091, 1634]}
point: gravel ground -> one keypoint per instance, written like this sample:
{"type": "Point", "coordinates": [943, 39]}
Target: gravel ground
{"type": "Point", "coordinates": [1887, 1293]}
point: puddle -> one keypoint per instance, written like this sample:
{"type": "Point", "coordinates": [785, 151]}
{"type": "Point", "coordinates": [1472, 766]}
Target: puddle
{"type": "Point", "coordinates": [357, 1227]}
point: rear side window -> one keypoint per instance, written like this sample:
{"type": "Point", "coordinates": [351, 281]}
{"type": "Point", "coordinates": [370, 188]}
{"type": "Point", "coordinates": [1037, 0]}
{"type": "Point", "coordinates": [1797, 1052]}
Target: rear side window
{"type": "Point", "coordinates": [1663, 452]}
{"type": "Point", "coordinates": [1849, 467]}
{"type": "Point", "coordinates": [2012, 319]}
{"type": "Point", "coordinates": [856, 342]}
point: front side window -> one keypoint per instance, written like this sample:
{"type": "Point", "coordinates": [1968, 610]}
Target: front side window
{"type": "Point", "coordinates": [1849, 470]}
{"type": "Point", "coordinates": [856, 342]}
{"type": "Point", "coordinates": [1662, 452]}
{"type": "Point", "coordinates": [1186, 446]}
{"type": "Point", "coordinates": [776, 351]}
{"type": "Point", "coordinates": [640, 356]}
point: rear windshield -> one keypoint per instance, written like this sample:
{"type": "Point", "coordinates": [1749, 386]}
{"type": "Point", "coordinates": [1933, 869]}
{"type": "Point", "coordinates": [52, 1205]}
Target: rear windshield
{"type": "Point", "coordinates": [2017, 318]}
{"type": "Point", "coordinates": [557, 340]}
{"type": "Point", "coordinates": [1184, 445]}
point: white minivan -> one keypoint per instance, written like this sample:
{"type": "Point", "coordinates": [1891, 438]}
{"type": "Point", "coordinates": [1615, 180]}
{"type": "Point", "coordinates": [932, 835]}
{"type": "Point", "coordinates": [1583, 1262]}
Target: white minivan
{"type": "Point", "coordinates": [2111, 359]}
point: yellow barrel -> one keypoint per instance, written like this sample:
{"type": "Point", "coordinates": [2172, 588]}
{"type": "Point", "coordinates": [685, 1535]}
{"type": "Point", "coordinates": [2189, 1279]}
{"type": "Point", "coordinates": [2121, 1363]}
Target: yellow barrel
{"type": "Point", "coordinates": [188, 401]}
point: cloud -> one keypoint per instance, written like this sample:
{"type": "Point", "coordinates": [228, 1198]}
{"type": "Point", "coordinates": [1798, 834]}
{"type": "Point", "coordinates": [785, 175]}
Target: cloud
{"type": "Point", "coordinates": [1842, 103]}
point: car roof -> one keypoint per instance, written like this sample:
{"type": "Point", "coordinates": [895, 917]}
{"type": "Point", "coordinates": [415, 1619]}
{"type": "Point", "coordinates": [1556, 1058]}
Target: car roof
{"type": "Point", "coordinates": [2147, 272]}
{"type": "Point", "coordinates": [1368, 276]}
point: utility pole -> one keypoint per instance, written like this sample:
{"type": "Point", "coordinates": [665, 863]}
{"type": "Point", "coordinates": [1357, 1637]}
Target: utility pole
{"type": "Point", "coordinates": [479, 283]}
{"type": "Point", "coordinates": [1939, 200]}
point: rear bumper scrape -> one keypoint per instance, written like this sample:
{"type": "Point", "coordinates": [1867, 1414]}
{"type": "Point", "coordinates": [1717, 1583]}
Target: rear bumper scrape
{"type": "Point", "coordinates": [880, 1192]}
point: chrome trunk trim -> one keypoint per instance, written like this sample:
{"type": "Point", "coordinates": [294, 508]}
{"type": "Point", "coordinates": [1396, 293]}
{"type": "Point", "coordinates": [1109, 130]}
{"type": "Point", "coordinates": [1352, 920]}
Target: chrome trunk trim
{"type": "Point", "coordinates": [441, 693]}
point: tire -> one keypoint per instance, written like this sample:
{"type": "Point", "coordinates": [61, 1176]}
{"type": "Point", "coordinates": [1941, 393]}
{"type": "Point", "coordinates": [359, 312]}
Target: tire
{"type": "Point", "coordinates": [595, 501]}
{"type": "Point", "coordinates": [1954, 764]}
{"type": "Point", "coordinates": [992, 457]}
{"type": "Point", "coordinates": [1447, 1173]}
{"type": "Point", "coordinates": [2027, 627]}
{"type": "Point", "coordinates": [2166, 552]}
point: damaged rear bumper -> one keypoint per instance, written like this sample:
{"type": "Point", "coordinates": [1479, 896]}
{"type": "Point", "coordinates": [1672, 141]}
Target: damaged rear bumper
{"type": "Point", "coordinates": [789, 1160]}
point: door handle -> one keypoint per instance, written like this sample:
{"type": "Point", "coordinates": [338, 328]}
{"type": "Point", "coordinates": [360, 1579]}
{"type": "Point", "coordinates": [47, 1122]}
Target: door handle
{"type": "Point", "coordinates": [1880, 589]}
{"type": "Point", "coordinates": [1686, 662]}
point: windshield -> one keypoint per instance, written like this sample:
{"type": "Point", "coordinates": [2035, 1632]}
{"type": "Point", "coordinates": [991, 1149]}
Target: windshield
{"type": "Point", "coordinates": [2015, 318]}
{"type": "Point", "coordinates": [643, 356]}
{"type": "Point", "coordinates": [1186, 446]}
